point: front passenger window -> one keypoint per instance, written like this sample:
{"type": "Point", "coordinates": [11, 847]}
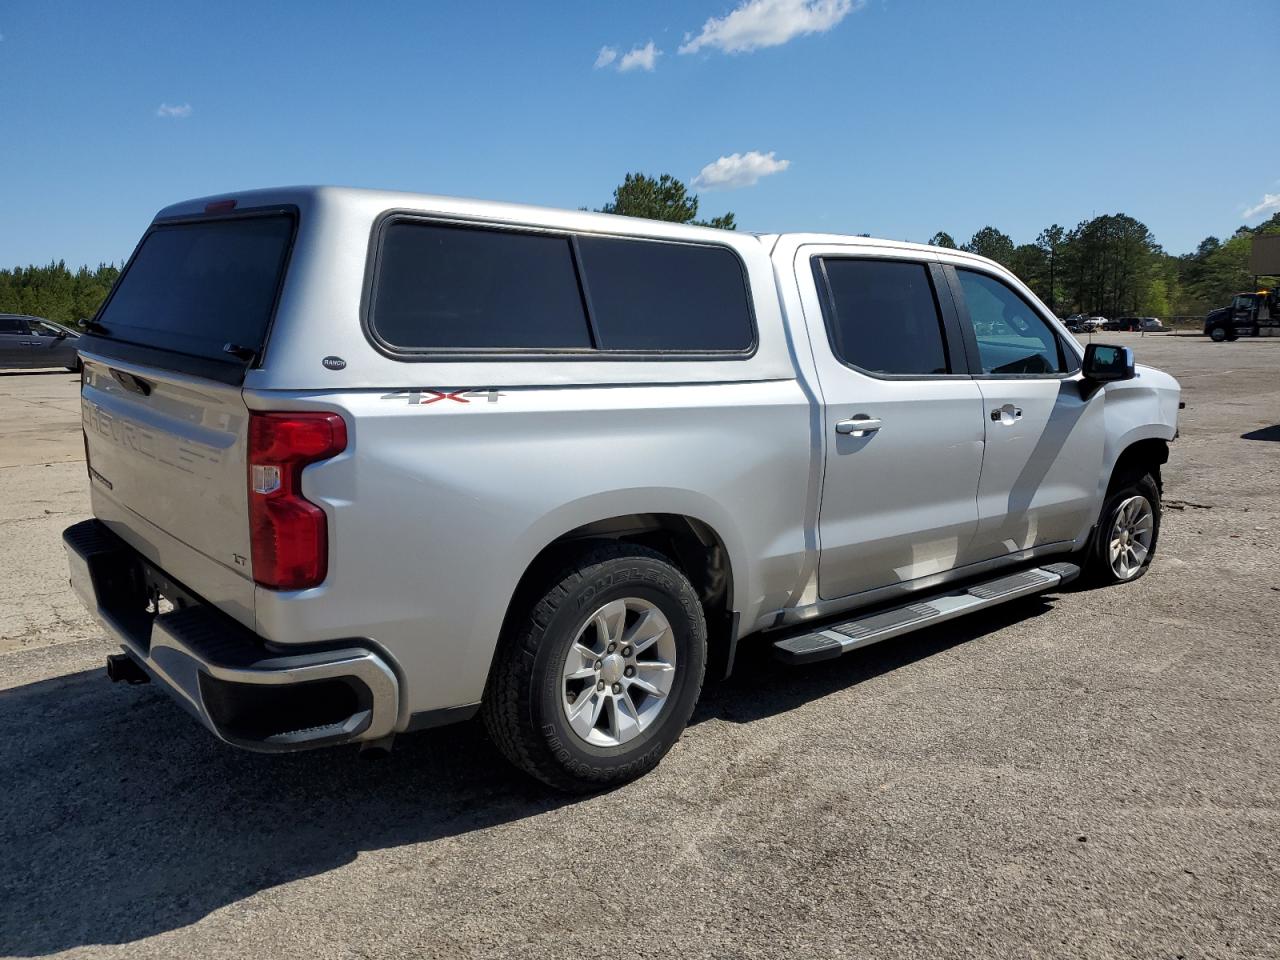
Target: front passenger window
{"type": "Point", "coordinates": [1012, 337]}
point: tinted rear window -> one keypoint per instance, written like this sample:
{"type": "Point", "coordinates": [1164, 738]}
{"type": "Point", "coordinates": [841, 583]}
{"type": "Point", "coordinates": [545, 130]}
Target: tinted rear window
{"type": "Point", "coordinates": [196, 287]}
{"type": "Point", "coordinates": [450, 288]}
{"type": "Point", "coordinates": [654, 296]}
{"type": "Point", "coordinates": [444, 288]}
{"type": "Point", "coordinates": [883, 317]}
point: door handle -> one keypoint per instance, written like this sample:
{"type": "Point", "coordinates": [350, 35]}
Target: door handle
{"type": "Point", "coordinates": [1007, 411]}
{"type": "Point", "coordinates": [858, 426]}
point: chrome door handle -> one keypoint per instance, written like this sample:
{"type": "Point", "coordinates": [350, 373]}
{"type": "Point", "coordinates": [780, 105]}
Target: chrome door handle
{"type": "Point", "coordinates": [858, 426]}
{"type": "Point", "coordinates": [1013, 413]}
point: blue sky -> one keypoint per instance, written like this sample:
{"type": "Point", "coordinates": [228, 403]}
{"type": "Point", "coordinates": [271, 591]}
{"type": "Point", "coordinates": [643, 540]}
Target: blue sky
{"type": "Point", "coordinates": [890, 117]}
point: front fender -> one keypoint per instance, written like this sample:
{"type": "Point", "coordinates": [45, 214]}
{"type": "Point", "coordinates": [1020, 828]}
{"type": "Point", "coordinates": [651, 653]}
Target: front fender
{"type": "Point", "coordinates": [1144, 408]}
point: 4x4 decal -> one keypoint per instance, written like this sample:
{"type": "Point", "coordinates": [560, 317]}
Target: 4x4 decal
{"type": "Point", "coordinates": [424, 396]}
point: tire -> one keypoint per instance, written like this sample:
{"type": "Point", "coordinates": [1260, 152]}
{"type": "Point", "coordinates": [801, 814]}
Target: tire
{"type": "Point", "coordinates": [1217, 334]}
{"type": "Point", "coordinates": [1112, 557]}
{"type": "Point", "coordinates": [612, 594]}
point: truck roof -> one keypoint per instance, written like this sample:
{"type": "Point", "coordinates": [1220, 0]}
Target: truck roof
{"type": "Point", "coordinates": [377, 201]}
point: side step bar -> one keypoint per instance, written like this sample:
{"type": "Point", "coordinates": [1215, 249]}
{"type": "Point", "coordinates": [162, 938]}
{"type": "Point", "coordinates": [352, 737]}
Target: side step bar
{"type": "Point", "coordinates": [832, 640]}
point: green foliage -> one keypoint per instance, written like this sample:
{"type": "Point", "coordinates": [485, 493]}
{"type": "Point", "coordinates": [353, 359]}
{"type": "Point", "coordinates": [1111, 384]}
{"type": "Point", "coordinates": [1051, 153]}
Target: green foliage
{"type": "Point", "coordinates": [992, 244]}
{"type": "Point", "coordinates": [54, 292]}
{"type": "Point", "coordinates": [1112, 266]}
{"type": "Point", "coordinates": [725, 222]}
{"type": "Point", "coordinates": [1052, 241]}
{"type": "Point", "coordinates": [942, 239]}
{"type": "Point", "coordinates": [1108, 264]}
{"type": "Point", "coordinates": [665, 198]}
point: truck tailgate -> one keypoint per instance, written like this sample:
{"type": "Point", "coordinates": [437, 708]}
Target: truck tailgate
{"type": "Point", "coordinates": [166, 455]}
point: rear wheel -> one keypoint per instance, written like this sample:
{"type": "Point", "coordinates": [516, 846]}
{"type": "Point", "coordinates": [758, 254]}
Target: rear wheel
{"type": "Point", "coordinates": [596, 684]}
{"type": "Point", "coordinates": [1124, 542]}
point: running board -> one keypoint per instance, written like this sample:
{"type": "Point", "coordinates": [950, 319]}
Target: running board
{"type": "Point", "coordinates": [834, 639]}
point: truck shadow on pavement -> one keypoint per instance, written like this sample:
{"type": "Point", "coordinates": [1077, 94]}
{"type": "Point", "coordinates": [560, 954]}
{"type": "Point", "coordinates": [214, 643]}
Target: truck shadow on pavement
{"type": "Point", "coordinates": [761, 687]}
{"type": "Point", "coordinates": [122, 819]}
{"type": "Point", "coordinates": [1271, 433]}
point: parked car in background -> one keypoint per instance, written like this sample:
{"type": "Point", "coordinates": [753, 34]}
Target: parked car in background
{"type": "Point", "coordinates": [1135, 324]}
{"type": "Point", "coordinates": [1075, 323]}
{"type": "Point", "coordinates": [395, 460]}
{"type": "Point", "coordinates": [1091, 324]}
{"type": "Point", "coordinates": [31, 342]}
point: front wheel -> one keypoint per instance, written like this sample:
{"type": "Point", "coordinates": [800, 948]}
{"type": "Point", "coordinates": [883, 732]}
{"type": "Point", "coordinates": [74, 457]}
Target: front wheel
{"type": "Point", "coordinates": [597, 683]}
{"type": "Point", "coordinates": [1124, 542]}
{"type": "Point", "coordinates": [1218, 334]}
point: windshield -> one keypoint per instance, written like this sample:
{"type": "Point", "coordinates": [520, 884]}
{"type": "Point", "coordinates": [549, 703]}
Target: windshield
{"type": "Point", "coordinates": [196, 287]}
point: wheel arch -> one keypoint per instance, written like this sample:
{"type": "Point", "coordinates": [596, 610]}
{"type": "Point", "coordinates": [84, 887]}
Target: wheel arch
{"type": "Point", "coordinates": [1149, 453]}
{"type": "Point", "coordinates": [692, 544]}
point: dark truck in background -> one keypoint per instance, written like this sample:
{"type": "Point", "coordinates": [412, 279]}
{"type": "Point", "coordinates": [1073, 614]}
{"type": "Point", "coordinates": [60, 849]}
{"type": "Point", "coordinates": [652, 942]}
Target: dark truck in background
{"type": "Point", "coordinates": [1256, 314]}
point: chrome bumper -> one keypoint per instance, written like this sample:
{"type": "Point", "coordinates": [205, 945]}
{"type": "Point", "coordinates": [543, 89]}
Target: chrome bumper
{"type": "Point", "coordinates": [230, 679]}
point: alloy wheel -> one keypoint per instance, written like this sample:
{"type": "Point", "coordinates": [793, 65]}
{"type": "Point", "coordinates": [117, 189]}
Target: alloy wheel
{"type": "Point", "coordinates": [618, 672]}
{"type": "Point", "coordinates": [1131, 536]}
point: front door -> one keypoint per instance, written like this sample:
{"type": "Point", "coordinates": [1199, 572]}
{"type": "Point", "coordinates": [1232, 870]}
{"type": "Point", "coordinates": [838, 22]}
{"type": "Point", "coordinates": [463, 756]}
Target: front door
{"type": "Point", "coordinates": [1044, 435]}
{"type": "Point", "coordinates": [51, 347]}
{"type": "Point", "coordinates": [1243, 312]}
{"type": "Point", "coordinates": [902, 421]}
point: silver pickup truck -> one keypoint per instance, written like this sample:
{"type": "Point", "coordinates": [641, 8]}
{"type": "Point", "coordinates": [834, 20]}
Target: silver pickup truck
{"type": "Point", "coordinates": [364, 463]}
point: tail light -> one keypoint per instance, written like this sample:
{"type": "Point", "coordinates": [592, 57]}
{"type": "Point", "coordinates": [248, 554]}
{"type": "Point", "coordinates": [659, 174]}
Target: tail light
{"type": "Point", "coordinates": [288, 533]}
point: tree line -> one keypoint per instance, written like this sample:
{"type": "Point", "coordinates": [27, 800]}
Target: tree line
{"type": "Point", "coordinates": [1110, 265]}
{"type": "Point", "coordinates": [56, 292]}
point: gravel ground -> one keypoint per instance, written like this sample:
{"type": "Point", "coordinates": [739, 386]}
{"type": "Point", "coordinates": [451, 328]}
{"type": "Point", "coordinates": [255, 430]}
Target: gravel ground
{"type": "Point", "coordinates": [1089, 774]}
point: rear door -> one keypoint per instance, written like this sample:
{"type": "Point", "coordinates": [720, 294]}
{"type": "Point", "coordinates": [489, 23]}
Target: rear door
{"type": "Point", "coordinates": [15, 343]}
{"type": "Point", "coordinates": [165, 422]}
{"type": "Point", "coordinates": [902, 419]}
{"type": "Point", "coordinates": [1044, 435]}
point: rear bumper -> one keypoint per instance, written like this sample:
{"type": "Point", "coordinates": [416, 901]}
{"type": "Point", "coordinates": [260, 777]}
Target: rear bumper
{"type": "Point", "coordinates": [228, 677]}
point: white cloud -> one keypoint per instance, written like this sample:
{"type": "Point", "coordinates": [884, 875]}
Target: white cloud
{"type": "Point", "coordinates": [606, 56]}
{"type": "Point", "coordinates": [179, 111]}
{"type": "Point", "coordinates": [768, 23]}
{"type": "Point", "coordinates": [1270, 201]}
{"type": "Point", "coordinates": [639, 58]}
{"type": "Point", "coordinates": [739, 170]}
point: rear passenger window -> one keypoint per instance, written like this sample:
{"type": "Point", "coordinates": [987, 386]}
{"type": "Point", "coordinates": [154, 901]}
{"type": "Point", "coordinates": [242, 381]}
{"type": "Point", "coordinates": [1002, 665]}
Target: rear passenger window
{"type": "Point", "coordinates": [655, 296]}
{"type": "Point", "coordinates": [451, 288]}
{"type": "Point", "coordinates": [882, 316]}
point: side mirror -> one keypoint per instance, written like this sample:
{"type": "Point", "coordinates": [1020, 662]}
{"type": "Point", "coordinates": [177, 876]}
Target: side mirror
{"type": "Point", "coordinates": [82, 323]}
{"type": "Point", "coordinates": [61, 334]}
{"type": "Point", "coordinates": [1103, 363]}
